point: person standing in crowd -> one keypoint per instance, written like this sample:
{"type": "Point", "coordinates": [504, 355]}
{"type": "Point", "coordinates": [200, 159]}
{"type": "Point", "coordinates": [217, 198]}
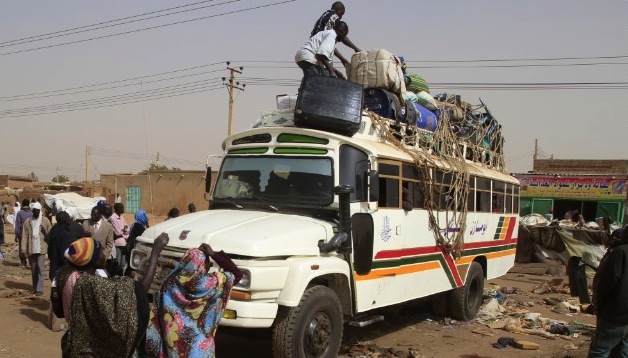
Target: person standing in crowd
{"type": "Point", "coordinates": [191, 208]}
{"type": "Point", "coordinates": [34, 230]}
{"type": "Point", "coordinates": [137, 229]}
{"type": "Point", "coordinates": [20, 218]}
{"type": "Point", "coordinates": [118, 198]}
{"type": "Point", "coordinates": [63, 233]}
{"type": "Point", "coordinates": [16, 209]}
{"type": "Point", "coordinates": [327, 21]}
{"type": "Point", "coordinates": [3, 212]}
{"type": "Point", "coordinates": [54, 209]}
{"type": "Point", "coordinates": [100, 230]}
{"type": "Point", "coordinates": [1, 238]}
{"type": "Point", "coordinates": [173, 213]}
{"type": "Point", "coordinates": [190, 304]}
{"type": "Point", "coordinates": [93, 305]}
{"type": "Point", "coordinates": [107, 211]}
{"type": "Point", "coordinates": [315, 56]}
{"type": "Point", "coordinates": [610, 294]}
{"type": "Point", "coordinates": [120, 234]}
{"type": "Point", "coordinates": [550, 215]}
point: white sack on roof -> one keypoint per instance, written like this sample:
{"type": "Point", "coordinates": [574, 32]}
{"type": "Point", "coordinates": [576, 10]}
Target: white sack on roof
{"type": "Point", "coordinates": [79, 207]}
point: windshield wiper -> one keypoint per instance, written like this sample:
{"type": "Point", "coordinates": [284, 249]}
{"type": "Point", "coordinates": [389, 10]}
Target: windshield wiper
{"type": "Point", "coordinates": [231, 201]}
{"type": "Point", "coordinates": [265, 201]}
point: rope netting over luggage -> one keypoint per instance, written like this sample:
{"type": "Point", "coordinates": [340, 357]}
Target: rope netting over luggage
{"type": "Point", "coordinates": [440, 158]}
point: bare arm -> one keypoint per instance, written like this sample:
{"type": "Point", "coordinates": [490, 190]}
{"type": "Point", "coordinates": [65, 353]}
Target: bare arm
{"type": "Point", "coordinates": [348, 42]}
{"type": "Point", "coordinates": [223, 260]}
{"type": "Point", "coordinates": [341, 57]}
{"type": "Point", "coordinates": [328, 64]}
{"type": "Point", "coordinates": [160, 242]}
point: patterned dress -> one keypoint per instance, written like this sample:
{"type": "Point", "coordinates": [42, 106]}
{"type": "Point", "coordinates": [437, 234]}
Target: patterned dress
{"type": "Point", "coordinates": [109, 317]}
{"type": "Point", "coordinates": [188, 307]}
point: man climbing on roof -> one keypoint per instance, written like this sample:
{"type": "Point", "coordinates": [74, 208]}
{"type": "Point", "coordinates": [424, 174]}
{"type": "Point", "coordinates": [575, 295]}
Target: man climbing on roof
{"type": "Point", "coordinates": [314, 57]}
{"type": "Point", "coordinates": [327, 21]}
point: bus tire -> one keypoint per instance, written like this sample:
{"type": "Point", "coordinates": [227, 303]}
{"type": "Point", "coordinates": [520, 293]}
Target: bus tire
{"type": "Point", "coordinates": [313, 329]}
{"type": "Point", "coordinates": [465, 301]}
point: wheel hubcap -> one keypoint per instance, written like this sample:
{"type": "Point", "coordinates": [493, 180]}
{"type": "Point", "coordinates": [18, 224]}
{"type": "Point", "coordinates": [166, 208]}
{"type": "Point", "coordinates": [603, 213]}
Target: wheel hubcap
{"type": "Point", "coordinates": [317, 335]}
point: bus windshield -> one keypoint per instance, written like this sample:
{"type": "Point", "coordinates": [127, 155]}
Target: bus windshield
{"type": "Point", "coordinates": [279, 180]}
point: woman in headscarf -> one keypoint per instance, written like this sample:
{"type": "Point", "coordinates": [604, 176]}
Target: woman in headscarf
{"type": "Point", "coordinates": [189, 305]}
{"type": "Point", "coordinates": [107, 317]}
{"type": "Point", "coordinates": [136, 229]}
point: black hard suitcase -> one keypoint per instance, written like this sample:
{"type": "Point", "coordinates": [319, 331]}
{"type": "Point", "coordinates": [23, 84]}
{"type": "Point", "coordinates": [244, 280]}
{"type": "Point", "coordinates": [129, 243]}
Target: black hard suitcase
{"type": "Point", "coordinates": [384, 103]}
{"type": "Point", "coordinates": [330, 104]}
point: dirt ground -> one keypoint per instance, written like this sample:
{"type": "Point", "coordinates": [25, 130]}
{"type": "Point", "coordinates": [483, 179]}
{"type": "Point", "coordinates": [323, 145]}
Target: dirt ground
{"type": "Point", "coordinates": [408, 331]}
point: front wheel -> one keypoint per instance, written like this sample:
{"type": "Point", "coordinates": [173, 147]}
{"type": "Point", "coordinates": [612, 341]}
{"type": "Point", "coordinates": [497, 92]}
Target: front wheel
{"type": "Point", "coordinates": [313, 329]}
{"type": "Point", "coordinates": [465, 301]}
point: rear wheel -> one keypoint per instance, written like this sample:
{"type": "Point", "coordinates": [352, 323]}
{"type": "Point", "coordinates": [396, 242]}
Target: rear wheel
{"type": "Point", "coordinates": [313, 329]}
{"type": "Point", "coordinates": [465, 301]}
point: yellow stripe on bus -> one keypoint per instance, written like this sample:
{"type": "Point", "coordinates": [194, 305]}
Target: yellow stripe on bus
{"type": "Point", "coordinates": [382, 273]}
{"type": "Point", "coordinates": [491, 255]}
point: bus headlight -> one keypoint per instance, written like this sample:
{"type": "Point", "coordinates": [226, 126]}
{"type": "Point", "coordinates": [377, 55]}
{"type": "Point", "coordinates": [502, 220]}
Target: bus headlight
{"type": "Point", "coordinates": [245, 281]}
{"type": "Point", "coordinates": [136, 258]}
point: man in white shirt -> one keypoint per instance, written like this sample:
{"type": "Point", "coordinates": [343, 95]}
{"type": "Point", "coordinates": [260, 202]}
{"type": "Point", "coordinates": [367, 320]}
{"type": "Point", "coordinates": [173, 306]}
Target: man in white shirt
{"type": "Point", "coordinates": [315, 56]}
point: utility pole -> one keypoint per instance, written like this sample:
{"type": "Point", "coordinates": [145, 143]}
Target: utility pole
{"type": "Point", "coordinates": [233, 85]}
{"type": "Point", "coordinates": [536, 148]}
{"type": "Point", "coordinates": [86, 161]}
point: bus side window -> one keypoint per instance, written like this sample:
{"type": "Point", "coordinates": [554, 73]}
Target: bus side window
{"type": "Point", "coordinates": [389, 181]}
{"type": "Point", "coordinates": [388, 193]}
{"type": "Point", "coordinates": [515, 200]}
{"type": "Point", "coordinates": [471, 196]}
{"type": "Point", "coordinates": [499, 197]}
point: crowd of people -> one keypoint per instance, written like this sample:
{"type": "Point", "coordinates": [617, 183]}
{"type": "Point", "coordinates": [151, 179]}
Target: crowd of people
{"type": "Point", "coordinates": [94, 289]}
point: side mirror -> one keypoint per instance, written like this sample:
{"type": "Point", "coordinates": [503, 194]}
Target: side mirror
{"type": "Point", "coordinates": [208, 180]}
{"type": "Point", "coordinates": [373, 186]}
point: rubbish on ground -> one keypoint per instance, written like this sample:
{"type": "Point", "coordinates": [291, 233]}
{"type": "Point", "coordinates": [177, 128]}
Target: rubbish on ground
{"type": "Point", "coordinates": [527, 345]}
{"type": "Point", "coordinates": [508, 290]}
{"type": "Point", "coordinates": [491, 310]}
{"type": "Point", "coordinates": [504, 342]}
{"type": "Point", "coordinates": [499, 324]}
{"type": "Point", "coordinates": [559, 328]}
{"type": "Point", "coordinates": [532, 318]}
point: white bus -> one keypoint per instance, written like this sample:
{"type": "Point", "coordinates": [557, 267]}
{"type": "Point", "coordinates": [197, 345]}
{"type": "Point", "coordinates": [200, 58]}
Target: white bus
{"type": "Point", "coordinates": [327, 228]}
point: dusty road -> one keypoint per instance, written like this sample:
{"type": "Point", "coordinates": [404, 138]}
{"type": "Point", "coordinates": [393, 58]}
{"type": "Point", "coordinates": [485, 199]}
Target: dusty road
{"type": "Point", "coordinates": [409, 331]}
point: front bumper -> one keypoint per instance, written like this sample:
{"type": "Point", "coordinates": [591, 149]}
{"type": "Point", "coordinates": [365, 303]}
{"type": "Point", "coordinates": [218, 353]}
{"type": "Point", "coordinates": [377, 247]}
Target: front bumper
{"type": "Point", "coordinates": [251, 314]}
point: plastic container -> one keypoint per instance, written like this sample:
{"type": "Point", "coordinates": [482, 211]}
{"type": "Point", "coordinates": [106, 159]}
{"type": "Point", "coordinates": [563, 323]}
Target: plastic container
{"type": "Point", "coordinates": [425, 119]}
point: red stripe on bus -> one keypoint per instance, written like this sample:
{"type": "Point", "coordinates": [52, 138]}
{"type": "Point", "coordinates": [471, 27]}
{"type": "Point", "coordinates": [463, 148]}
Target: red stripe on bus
{"type": "Point", "coordinates": [413, 251]}
{"type": "Point", "coordinates": [453, 268]}
{"type": "Point", "coordinates": [511, 228]}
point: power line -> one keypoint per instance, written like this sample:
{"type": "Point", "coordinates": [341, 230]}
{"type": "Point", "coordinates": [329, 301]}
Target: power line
{"type": "Point", "coordinates": [148, 28]}
{"type": "Point", "coordinates": [79, 89]}
{"type": "Point", "coordinates": [526, 65]}
{"type": "Point", "coordinates": [116, 81]}
{"type": "Point", "coordinates": [104, 152]}
{"type": "Point", "coordinates": [527, 59]}
{"type": "Point", "coordinates": [112, 23]}
{"type": "Point", "coordinates": [111, 98]}
{"type": "Point", "coordinates": [107, 88]}
{"type": "Point", "coordinates": [122, 102]}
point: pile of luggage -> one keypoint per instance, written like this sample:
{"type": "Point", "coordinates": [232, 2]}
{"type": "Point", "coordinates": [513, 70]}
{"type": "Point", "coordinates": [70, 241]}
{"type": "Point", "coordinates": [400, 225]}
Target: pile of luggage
{"type": "Point", "coordinates": [391, 92]}
{"type": "Point", "coordinates": [378, 82]}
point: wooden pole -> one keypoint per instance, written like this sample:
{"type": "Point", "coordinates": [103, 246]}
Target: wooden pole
{"type": "Point", "coordinates": [233, 85]}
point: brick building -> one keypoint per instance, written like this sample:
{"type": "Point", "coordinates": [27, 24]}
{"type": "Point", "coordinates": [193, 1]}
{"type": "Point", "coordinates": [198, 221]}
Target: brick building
{"type": "Point", "coordinates": [157, 192]}
{"type": "Point", "coordinates": [595, 187]}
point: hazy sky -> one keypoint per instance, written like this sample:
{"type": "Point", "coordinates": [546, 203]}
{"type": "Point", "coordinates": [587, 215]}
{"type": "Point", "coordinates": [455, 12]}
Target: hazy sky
{"type": "Point", "coordinates": [585, 123]}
